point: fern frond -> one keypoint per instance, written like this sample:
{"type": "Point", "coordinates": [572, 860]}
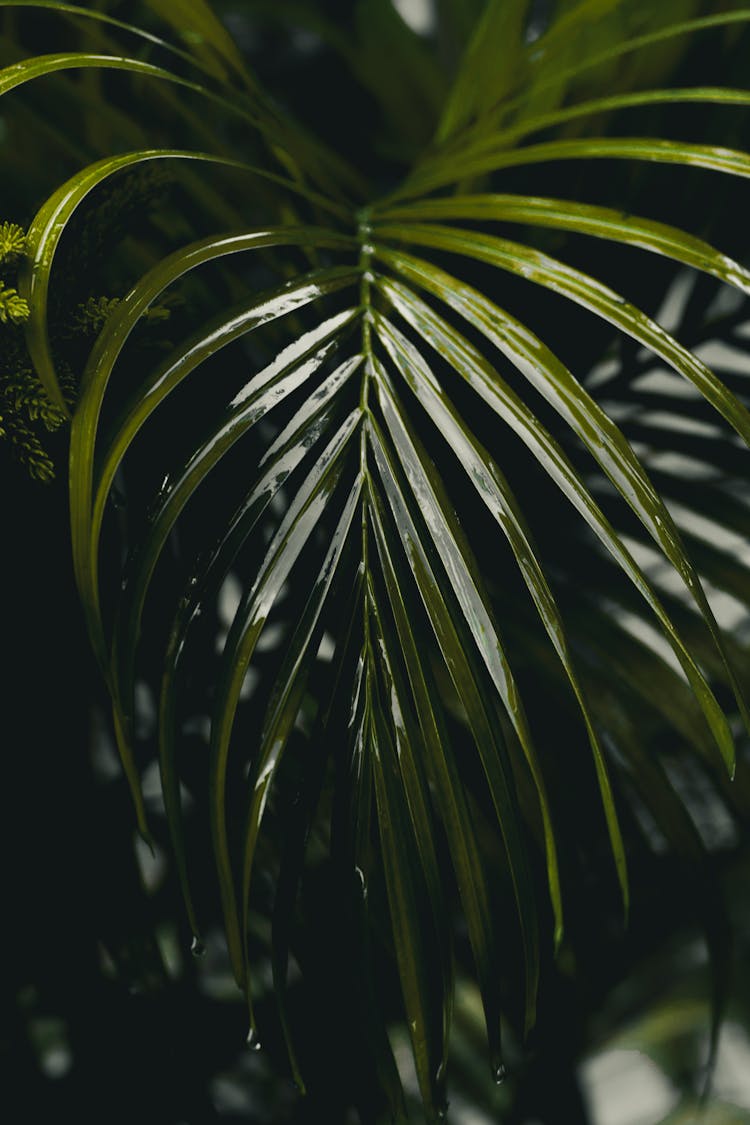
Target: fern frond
{"type": "Point", "coordinates": [12, 244]}
{"type": "Point", "coordinates": [26, 447]}
{"type": "Point", "coordinates": [13, 309]}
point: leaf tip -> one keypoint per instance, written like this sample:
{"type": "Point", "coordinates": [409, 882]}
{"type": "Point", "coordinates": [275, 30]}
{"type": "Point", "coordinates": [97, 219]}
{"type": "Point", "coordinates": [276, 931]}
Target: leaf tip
{"type": "Point", "coordinates": [145, 834]}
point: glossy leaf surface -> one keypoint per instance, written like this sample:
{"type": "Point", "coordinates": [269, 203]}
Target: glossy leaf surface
{"type": "Point", "coordinates": [418, 568]}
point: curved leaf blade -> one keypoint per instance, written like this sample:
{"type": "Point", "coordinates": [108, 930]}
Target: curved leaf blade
{"type": "Point", "coordinates": [99, 368]}
{"type": "Point", "coordinates": [120, 668]}
{"type": "Point", "coordinates": [635, 43]}
{"type": "Point", "coordinates": [285, 454]}
{"type": "Point", "coordinates": [489, 65]}
{"type": "Point", "coordinates": [496, 494]}
{"type": "Point", "coordinates": [287, 697]}
{"type": "Point", "coordinates": [450, 797]}
{"type": "Point", "coordinates": [527, 353]}
{"type": "Point", "coordinates": [109, 21]}
{"type": "Point", "coordinates": [603, 439]}
{"type": "Point", "coordinates": [405, 735]}
{"type": "Point", "coordinates": [714, 158]}
{"type": "Point", "coordinates": [197, 24]}
{"type": "Point", "coordinates": [39, 66]}
{"type": "Point", "coordinates": [486, 737]}
{"type": "Point", "coordinates": [402, 883]}
{"type": "Point", "coordinates": [559, 78]}
{"type": "Point", "coordinates": [582, 218]}
{"type": "Point", "coordinates": [295, 528]}
{"type": "Point", "coordinates": [264, 393]}
{"type": "Point", "coordinates": [445, 533]}
{"type": "Point", "coordinates": [50, 222]}
{"type": "Point", "coordinates": [689, 95]}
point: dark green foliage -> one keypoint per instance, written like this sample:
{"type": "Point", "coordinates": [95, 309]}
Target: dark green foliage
{"type": "Point", "coordinates": [25, 408]}
{"type": "Point", "coordinates": [387, 388]}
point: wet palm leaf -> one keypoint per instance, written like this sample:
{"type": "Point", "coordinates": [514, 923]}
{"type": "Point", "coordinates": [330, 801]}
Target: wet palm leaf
{"type": "Point", "coordinates": [332, 464]}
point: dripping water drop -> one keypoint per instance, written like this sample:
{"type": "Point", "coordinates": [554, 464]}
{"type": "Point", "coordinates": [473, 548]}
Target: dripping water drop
{"type": "Point", "coordinates": [197, 948]}
{"type": "Point", "coordinates": [499, 1073]}
{"type": "Point", "coordinates": [253, 1041]}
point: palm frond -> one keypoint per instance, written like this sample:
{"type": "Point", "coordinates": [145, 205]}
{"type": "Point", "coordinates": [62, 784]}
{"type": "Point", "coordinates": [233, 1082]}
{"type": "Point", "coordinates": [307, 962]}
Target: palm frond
{"type": "Point", "coordinates": [341, 430]}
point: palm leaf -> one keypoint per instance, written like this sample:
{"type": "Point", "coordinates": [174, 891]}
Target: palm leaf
{"type": "Point", "coordinates": [451, 800]}
{"type": "Point", "coordinates": [198, 25]}
{"type": "Point", "coordinates": [48, 228]}
{"type": "Point", "coordinates": [11, 77]}
{"type": "Point", "coordinates": [489, 65]}
{"type": "Point", "coordinates": [451, 171]}
{"type": "Point", "coordinates": [86, 524]}
{"type": "Point", "coordinates": [581, 218]}
{"type": "Point", "coordinates": [74, 10]}
{"type": "Point", "coordinates": [446, 536]}
{"type": "Point", "coordinates": [525, 351]}
{"type": "Point", "coordinates": [281, 459]}
{"type": "Point", "coordinates": [554, 76]}
{"type": "Point", "coordinates": [495, 492]}
{"type": "Point", "coordinates": [456, 650]}
{"type": "Point", "coordinates": [355, 418]}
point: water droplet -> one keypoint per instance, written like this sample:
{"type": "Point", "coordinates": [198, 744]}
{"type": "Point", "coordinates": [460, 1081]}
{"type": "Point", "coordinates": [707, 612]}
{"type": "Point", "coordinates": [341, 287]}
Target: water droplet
{"type": "Point", "coordinates": [117, 498]}
{"type": "Point", "coordinates": [363, 882]}
{"type": "Point", "coordinates": [442, 1111]}
{"type": "Point", "coordinates": [159, 497]}
{"type": "Point", "coordinates": [499, 1073]}
{"type": "Point", "coordinates": [197, 948]}
{"type": "Point", "coordinates": [253, 1040]}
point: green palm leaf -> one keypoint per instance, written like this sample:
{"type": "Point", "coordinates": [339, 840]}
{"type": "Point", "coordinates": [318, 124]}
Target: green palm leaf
{"type": "Point", "coordinates": [48, 228]}
{"type": "Point", "coordinates": [293, 532]}
{"type": "Point", "coordinates": [711, 157]}
{"type": "Point", "coordinates": [341, 433]}
{"type": "Point", "coordinates": [199, 26]}
{"type": "Point", "coordinates": [495, 492]}
{"type": "Point", "coordinates": [289, 449]}
{"type": "Point", "coordinates": [446, 535]}
{"type": "Point", "coordinates": [54, 6]}
{"type": "Point", "coordinates": [599, 222]}
{"type": "Point", "coordinates": [86, 524]}
{"type": "Point", "coordinates": [451, 800]}
{"type": "Point", "coordinates": [552, 78]}
{"type": "Point", "coordinates": [493, 55]}
{"type": "Point", "coordinates": [525, 351]}
{"type": "Point", "coordinates": [456, 651]}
